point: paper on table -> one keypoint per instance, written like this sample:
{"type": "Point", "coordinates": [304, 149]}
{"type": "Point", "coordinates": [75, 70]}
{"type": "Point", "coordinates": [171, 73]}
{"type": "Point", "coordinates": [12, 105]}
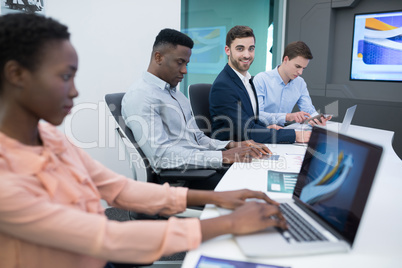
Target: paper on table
{"type": "Point", "coordinates": [281, 182]}
{"type": "Point", "coordinates": [208, 262]}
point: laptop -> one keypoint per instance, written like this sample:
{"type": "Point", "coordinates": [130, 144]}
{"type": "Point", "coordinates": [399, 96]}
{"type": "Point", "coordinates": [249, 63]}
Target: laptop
{"type": "Point", "coordinates": [330, 196]}
{"type": "Point", "coordinates": [350, 112]}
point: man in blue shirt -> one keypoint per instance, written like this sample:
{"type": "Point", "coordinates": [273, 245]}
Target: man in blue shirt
{"type": "Point", "coordinates": [280, 89]}
{"type": "Point", "coordinates": [233, 101]}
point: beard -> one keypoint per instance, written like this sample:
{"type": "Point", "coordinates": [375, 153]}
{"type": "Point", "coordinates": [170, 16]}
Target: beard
{"type": "Point", "coordinates": [239, 65]}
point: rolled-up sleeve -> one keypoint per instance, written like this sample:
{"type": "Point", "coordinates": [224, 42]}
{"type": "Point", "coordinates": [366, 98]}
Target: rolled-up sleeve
{"type": "Point", "coordinates": [145, 241]}
{"type": "Point", "coordinates": [128, 194]}
{"type": "Point", "coordinates": [54, 227]}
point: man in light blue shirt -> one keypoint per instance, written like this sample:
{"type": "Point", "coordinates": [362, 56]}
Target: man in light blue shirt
{"type": "Point", "coordinates": [280, 89]}
{"type": "Point", "coordinates": [161, 120]}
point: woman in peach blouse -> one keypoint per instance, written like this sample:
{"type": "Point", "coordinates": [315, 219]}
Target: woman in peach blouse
{"type": "Point", "coordinates": [50, 190]}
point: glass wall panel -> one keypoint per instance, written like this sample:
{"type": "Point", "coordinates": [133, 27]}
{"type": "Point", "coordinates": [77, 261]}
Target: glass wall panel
{"type": "Point", "coordinates": [207, 22]}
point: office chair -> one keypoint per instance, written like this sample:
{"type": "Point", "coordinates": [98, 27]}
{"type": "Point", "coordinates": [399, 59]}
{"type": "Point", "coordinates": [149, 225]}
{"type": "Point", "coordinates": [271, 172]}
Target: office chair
{"type": "Point", "coordinates": [113, 102]}
{"type": "Point", "coordinates": [175, 177]}
{"type": "Point", "coordinates": [199, 99]}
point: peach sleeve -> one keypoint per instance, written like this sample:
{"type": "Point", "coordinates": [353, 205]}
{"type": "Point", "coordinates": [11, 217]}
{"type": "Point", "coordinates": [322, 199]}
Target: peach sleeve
{"type": "Point", "coordinates": [36, 220]}
{"type": "Point", "coordinates": [30, 215]}
{"type": "Point", "coordinates": [122, 192]}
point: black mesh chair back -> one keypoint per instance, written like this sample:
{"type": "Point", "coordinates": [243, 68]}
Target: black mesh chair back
{"type": "Point", "coordinates": [113, 101]}
{"type": "Point", "coordinates": [199, 99]}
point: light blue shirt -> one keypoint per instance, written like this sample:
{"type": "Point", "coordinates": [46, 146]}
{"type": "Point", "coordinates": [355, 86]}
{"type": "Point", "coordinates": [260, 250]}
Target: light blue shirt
{"type": "Point", "coordinates": [161, 120]}
{"type": "Point", "coordinates": [275, 99]}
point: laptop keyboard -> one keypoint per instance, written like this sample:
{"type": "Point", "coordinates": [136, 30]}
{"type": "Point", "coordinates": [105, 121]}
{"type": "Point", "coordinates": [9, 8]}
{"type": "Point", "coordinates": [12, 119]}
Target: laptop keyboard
{"type": "Point", "coordinates": [299, 229]}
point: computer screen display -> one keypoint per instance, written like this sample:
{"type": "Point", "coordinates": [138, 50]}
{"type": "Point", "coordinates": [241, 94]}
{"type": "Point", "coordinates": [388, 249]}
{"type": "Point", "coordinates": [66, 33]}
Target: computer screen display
{"type": "Point", "coordinates": [335, 179]}
{"type": "Point", "coordinates": [377, 47]}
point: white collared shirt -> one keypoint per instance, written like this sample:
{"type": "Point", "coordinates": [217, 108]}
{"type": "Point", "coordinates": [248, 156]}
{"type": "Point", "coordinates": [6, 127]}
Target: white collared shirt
{"type": "Point", "coordinates": [247, 85]}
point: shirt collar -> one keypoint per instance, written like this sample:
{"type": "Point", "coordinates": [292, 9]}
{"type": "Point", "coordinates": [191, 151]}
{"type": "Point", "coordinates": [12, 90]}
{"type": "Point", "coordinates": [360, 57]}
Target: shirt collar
{"type": "Point", "coordinates": [278, 76]}
{"type": "Point", "coordinates": [153, 79]}
{"type": "Point", "coordinates": [242, 77]}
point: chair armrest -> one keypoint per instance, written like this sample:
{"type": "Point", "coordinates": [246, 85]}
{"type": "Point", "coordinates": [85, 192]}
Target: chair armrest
{"type": "Point", "coordinates": [129, 265]}
{"type": "Point", "coordinates": [188, 174]}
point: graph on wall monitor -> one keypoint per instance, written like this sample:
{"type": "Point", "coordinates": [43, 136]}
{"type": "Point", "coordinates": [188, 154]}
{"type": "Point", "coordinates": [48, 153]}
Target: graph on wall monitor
{"type": "Point", "coordinates": [377, 47]}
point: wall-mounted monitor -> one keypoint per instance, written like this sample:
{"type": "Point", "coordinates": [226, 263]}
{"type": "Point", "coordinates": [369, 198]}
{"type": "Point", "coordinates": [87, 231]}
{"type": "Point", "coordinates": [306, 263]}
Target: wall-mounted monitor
{"type": "Point", "coordinates": [377, 47]}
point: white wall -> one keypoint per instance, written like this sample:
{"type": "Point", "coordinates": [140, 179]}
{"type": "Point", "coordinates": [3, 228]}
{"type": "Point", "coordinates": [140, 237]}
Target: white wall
{"type": "Point", "coordinates": [113, 40]}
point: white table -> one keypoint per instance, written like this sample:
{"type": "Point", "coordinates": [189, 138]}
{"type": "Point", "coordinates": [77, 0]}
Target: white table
{"type": "Point", "coordinates": [379, 239]}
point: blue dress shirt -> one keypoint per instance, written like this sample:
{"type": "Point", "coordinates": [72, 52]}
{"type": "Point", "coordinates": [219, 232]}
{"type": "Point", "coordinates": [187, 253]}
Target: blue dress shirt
{"type": "Point", "coordinates": [161, 120]}
{"type": "Point", "coordinates": [276, 99]}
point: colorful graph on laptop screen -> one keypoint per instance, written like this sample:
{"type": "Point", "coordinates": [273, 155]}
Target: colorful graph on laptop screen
{"type": "Point", "coordinates": [377, 47]}
{"type": "Point", "coordinates": [335, 179]}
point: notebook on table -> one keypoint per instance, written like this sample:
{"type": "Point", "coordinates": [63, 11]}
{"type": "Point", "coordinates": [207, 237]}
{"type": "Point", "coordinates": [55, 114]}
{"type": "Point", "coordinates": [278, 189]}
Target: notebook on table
{"type": "Point", "coordinates": [330, 196]}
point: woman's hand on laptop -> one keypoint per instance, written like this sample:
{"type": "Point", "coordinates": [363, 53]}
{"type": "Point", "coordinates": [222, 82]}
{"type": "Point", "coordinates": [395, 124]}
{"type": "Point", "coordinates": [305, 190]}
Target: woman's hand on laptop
{"type": "Point", "coordinates": [234, 199]}
{"type": "Point", "coordinates": [226, 199]}
{"type": "Point", "coordinates": [248, 218]}
{"type": "Point", "coordinates": [255, 216]}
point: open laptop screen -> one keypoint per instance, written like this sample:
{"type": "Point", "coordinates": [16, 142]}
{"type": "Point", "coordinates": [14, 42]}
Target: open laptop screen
{"type": "Point", "coordinates": [347, 119]}
{"type": "Point", "coordinates": [335, 179]}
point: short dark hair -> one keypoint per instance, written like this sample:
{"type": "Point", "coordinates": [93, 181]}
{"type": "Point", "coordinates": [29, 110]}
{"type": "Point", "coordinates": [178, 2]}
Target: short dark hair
{"type": "Point", "coordinates": [174, 38]}
{"type": "Point", "coordinates": [238, 31]}
{"type": "Point", "coordinates": [23, 36]}
{"type": "Point", "coordinates": [298, 48]}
